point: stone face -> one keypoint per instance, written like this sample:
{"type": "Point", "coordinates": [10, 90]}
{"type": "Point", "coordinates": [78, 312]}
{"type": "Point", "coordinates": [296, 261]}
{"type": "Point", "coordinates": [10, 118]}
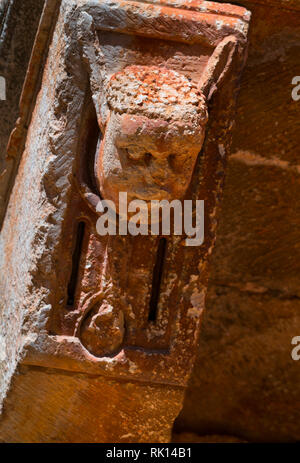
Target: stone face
{"type": "Point", "coordinates": [253, 301]}
{"type": "Point", "coordinates": [83, 304]}
{"type": "Point", "coordinates": [154, 133]}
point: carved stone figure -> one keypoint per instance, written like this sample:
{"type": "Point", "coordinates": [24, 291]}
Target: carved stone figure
{"type": "Point", "coordinates": [153, 135]}
{"type": "Point", "coordinates": [153, 121]}
{"type": "Point", "coordinates": [121, 108]}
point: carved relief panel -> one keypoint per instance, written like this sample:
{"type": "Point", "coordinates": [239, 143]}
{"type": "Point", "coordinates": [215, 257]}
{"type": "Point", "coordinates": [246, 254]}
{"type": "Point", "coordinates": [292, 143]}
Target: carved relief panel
{"type": "Point", "coordinates": [151, 114]}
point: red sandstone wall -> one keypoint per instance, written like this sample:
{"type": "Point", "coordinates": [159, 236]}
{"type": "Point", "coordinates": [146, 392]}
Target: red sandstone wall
{"type": "Point", "coordinates": [245, 381]}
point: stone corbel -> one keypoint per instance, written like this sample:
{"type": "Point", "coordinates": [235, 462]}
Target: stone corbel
{"type": "Point", "coordinates": [125, 309]}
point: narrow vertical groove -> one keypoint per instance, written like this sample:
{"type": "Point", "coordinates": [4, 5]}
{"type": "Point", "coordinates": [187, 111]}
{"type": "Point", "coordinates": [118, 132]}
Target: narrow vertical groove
{"type": "Point", "coordinates": [75, 264]}
{"type": "Point", "coordinates": [157, 279]}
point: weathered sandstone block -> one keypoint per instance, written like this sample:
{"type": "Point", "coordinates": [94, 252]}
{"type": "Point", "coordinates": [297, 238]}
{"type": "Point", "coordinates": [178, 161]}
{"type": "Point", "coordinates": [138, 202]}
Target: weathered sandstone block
{"type": "Point", "coordinates": [252, 305]}
{"type": "Point", "coordinates": [19, 21]}
{"type": "Point", "coordinates": [136, 97]}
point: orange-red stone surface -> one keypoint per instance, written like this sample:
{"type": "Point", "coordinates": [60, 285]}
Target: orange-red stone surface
{"type": "Point", "coordinates": [244, 386]}
{"type": "Point", "coordinates": [252, 388]}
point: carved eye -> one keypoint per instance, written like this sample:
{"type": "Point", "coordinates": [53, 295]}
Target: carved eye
{"type": "Point", "coordinates": [148, 157]}
{"type": "Point", "coordinates": [171, 161]}
{"type": "Point", "coordinates": [137, 154]}
{"type": "Point", "coordinates": [133, 154]}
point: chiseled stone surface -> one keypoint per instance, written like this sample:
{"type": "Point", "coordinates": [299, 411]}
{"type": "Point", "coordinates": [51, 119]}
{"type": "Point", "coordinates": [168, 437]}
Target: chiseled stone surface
{"type": "Point", "coordinates": [251, 391]}
{"type": "Point", "coordinates": [245, 382]}
{"type": "Point", "coordinates": [68, 408]}
{"type": "Point", "coordinates": [47, 321]}
{"type": "Point", "coordinates": [190, 437]}
{"type": "Point", "coordinates": [19, 20]}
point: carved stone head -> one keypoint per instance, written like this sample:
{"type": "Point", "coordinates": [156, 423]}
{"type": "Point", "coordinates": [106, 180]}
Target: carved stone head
{"type": "Point", "coordinates": [153, 134]}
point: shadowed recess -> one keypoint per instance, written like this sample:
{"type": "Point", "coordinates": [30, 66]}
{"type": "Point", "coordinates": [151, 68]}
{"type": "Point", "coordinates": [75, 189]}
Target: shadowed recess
{"type": "Point", "coordinates": [157, 278]}
{"type": "Point", "coordinates": [75, 263]}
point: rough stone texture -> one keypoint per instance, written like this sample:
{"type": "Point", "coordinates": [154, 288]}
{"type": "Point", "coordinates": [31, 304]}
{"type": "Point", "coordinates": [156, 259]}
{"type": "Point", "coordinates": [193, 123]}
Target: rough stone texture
{"type": "Point", "coordinates": [251, 391]}
{"type": "Point", "coordinates": [153, 136]}
{"type": "Point", "coordinates": [19, 20]}
{"type": "Point", "coordinates": [69, 408]}
{"type": "Point", "coordinates": [45, 317]}
{"type": "Point", "coordinates": [282, 4]}
{"type": "Point", "coordinates": [245, 382]}
{"type": "Point", "coordinates": [189, 437]}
